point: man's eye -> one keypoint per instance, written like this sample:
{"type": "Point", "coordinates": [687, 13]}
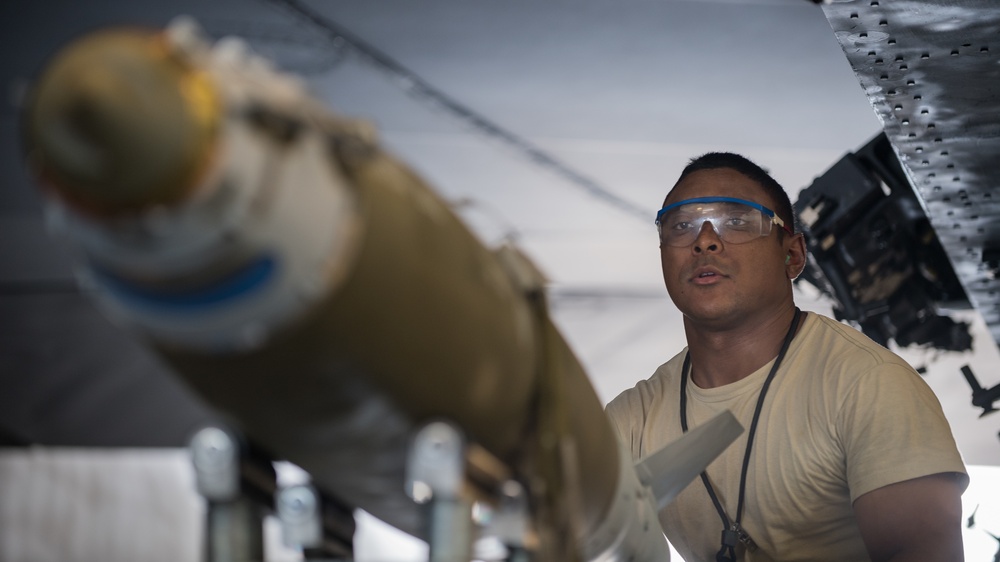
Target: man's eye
{"type": "Point", "coordinates": [737, 222]}
{"type": "Point", "coordinates": [681, 226]}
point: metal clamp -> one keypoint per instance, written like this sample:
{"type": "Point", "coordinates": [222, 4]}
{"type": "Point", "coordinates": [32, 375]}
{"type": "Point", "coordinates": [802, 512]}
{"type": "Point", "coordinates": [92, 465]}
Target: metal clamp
{"type": "Point", "coordinates": [215, 455]}
{"type": "Point", "coordinates": [299, 510]}
{"type": "Point", "coordinates": [234, 522]}
{"type": "Point", "coordinates": [435, 476]}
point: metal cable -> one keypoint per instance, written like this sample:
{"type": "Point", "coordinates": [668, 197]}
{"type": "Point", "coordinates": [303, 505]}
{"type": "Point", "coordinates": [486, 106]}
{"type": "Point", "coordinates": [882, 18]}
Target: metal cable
{"type": "Point", "coordinates": [418, 87]}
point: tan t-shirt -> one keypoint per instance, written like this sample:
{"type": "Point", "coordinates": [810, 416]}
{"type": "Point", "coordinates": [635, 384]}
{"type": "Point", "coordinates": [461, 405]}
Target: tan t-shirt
{"type": "Point", "coordinates": [843, 416]}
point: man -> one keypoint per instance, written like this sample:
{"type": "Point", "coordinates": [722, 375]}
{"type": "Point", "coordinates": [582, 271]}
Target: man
{"type": "Point", "coordinates": [846, 454]}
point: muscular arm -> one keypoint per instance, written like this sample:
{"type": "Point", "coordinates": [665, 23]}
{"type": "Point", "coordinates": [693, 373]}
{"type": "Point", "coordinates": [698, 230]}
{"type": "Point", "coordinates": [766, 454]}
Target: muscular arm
{"type": "Point", "coordinates": [914, 520]}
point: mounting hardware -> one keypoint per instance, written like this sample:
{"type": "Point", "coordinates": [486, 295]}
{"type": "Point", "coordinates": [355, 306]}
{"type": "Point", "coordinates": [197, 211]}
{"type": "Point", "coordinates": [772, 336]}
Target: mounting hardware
{"type": "Point", "coordinates": [981, 398]}
{"type": "Point", "coordinates": [435, 477]}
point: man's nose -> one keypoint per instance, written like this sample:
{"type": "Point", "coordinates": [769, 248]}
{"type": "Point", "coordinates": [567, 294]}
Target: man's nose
{"type": "Point", "coordinates": [708, 239]}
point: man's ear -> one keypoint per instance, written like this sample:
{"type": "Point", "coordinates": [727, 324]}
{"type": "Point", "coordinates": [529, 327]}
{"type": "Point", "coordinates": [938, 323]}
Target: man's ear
{"type": "Point", "coordinates": [795, 255]}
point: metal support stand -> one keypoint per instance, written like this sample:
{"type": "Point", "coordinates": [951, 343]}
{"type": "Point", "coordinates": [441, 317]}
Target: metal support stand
{"type": "Point", "coordinates": [298, 509]}
{"type": "Point", "coordinates": [234, 522]}
{"type": "Point", "coordinates": [320, 526]}
{"type": "Point", "coordinates": [235, 532]}
{"type": "Point", "coordinates": [510, 523]}
{"type": "Point", "coordinates": [436, 477]}
{"type": "Point", "coordinates": [240, 488]}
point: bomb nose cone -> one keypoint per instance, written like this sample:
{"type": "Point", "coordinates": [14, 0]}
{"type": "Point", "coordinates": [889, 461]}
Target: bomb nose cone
{"type": "Point", "coordinates": [119, 122]}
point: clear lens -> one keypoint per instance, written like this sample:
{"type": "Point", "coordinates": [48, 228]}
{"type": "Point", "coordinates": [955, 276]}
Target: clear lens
{"type": "Point", "coordinates": [734, 223]}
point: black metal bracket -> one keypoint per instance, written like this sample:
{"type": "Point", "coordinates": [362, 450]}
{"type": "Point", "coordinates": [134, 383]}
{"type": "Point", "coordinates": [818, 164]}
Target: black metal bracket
{"type": "Point", "coordinates": [981, 397]}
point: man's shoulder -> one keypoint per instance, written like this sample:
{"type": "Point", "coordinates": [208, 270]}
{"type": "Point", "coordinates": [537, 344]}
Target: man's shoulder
{"type": "Point", "coordinates": [650, 389]}
{"type": "Point", "coordinates": [835, 342]}
{"type": "Point", "coordinates": [836, 363]}
{"type": "Point", "coordinates": [638, 410]}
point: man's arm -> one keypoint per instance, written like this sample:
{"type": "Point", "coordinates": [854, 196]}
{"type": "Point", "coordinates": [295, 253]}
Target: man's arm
{"type": "Point", "coordinates": [913, 520]}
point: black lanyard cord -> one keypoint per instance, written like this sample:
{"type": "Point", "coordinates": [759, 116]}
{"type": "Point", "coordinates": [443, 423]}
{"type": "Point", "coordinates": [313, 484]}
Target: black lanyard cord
{"type": "Point", "coordinates": [733, 532]}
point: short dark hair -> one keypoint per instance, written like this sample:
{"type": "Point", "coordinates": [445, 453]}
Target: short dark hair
{"type": "Point", "coordinates": [743, 165]}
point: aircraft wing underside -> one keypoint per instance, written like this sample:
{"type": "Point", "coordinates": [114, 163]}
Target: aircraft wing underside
{"type": "Point", "coordinates": [931, 70]}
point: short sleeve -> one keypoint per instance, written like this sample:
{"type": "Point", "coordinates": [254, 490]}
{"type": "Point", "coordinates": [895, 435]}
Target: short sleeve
{"type": "Point", "coordinates": [892, 429]}
{"type": "Point", "coordinates": [626, 415]}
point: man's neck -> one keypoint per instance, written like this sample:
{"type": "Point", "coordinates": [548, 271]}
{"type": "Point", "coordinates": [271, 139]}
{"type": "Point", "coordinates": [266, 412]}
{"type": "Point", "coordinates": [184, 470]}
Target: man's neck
{"type": "Point", "coordinates": [721, 357]}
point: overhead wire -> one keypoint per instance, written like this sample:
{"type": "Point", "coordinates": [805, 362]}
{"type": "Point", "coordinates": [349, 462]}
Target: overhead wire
{"type": "Point", "coordinates": [420, 88]}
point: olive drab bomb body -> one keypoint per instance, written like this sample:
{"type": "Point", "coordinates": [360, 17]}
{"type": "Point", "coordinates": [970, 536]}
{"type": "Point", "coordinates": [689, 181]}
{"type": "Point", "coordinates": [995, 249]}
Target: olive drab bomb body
{"type": "Point", "coordinates": [313, 289]}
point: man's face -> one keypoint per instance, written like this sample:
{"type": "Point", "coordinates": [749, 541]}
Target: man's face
{"type": "Point", "coordinates": [722, 284]}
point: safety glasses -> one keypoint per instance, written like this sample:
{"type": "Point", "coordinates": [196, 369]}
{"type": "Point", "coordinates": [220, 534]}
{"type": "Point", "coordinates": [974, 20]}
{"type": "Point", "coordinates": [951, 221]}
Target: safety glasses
{"type": "Point", "coordinates": [735, 221]}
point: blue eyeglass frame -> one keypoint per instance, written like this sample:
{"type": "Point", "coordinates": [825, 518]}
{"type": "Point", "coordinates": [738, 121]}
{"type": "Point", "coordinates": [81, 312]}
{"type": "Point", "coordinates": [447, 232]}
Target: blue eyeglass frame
{"type": "Point", "coordinates": [775, 219]}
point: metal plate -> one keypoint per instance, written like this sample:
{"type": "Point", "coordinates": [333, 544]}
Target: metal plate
{"type": "Point", "coordinates": [931, 69]}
